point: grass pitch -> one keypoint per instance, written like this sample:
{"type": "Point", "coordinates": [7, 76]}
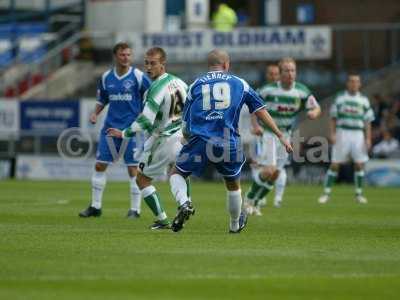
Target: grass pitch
{"type": "Point", "coordinates": [341, 250]}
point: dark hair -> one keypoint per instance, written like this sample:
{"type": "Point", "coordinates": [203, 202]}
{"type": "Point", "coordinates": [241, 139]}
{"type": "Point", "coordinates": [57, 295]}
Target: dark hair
{"type": "Point", "coordinates": [157, 50]}
{"type": "Point", "coordinates": [353, 73]}
{"type": "Point", "coordinates": [120, 46]}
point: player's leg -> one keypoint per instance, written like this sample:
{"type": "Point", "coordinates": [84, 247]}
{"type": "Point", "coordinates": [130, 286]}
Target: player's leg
{"type": "Point", "coordinates": [238, 218]}
{"type": "Point", "coordinates": [230, 170]}
{"type": "Point", "coordinates": [153, 201]}
{"type": "Point", "coordinates": [99, 178]}
{"type": "Point", "coordinates": [359, 182]}
{"type": "Point", "coordinates": [156, 159]}
{"type": "Point", "coordinates": [359, 155]}
{"type": "Point", "coordinates": [280, 185]}
{"type": "Point", "coordinates": [191, 159]}
{"type": "Point", "coordinates": [129, 148]}
{"type": "Point", "coordinates": [340, 152]}
{"type": "Point", "coordinates": [265, 175]}
{"type": "Point", "coordinates": [135, 208]}
{"type": "Point", "coordinates": [330, 178]}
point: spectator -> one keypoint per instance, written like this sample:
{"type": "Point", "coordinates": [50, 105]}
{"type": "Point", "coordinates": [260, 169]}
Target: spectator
{"type": "Point", "coordinates": [379, 106]}
{"type": "Point", "coordinates": [387, 147]}
{"type": "Point", "coordinates": [224, 18]}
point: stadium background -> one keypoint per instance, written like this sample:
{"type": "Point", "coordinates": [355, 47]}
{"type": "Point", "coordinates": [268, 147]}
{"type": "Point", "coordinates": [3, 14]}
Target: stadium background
{"type": "Point", "coordinates": [52, 52]}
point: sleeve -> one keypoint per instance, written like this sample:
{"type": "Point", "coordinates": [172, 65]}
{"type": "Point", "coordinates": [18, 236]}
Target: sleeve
{"type": "Point", "coordinates": [101, 93]}
{"type": "Point", "coordinates": [369, 115]}
{"type": "Point", "coordinates": [253, 101]}
{"type": "Point", "coordinates": [145, 121]}
{"type": "Point", "coordinates": [333, 113]}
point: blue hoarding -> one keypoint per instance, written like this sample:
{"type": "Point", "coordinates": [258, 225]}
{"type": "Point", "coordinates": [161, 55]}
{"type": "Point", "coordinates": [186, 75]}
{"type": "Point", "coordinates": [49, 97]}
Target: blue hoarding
{"type": "Point", "coordinates": [49, 116]}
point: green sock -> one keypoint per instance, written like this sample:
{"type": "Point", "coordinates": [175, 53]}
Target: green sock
{"type": "Point", "coordinates": [253, 191]}
{"type": "Point", "coordinates": [153, 201]}
{"type": "Point", "coordinates": [329, 180]}
{"type": "Point", "coordinates": [263, 192]}
{"type": "Point", "coordinates": [358, 182]}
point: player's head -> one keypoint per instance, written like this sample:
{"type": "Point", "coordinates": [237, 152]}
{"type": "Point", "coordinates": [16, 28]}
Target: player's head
{"type": "Point", "coordinates": [272, 73]}
{"type": "Point", "coordinates": [218, 60]}
{"type": "Point", "coordinates": [154, 62]}
{"type": "Point", "coordinates": [353, 83]}
{"type": "Point", "coordinates": [122, 54]}
{"type": "Point", "coordinates": [287, 68]}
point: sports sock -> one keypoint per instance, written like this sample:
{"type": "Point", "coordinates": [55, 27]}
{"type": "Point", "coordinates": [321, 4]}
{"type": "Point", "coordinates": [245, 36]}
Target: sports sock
{"type": "Point", "coordinates": [359, 181]}
{"type": "Point", "coordinates": [280, 185]}
{"type": "Point", "coordinates": [179, 188]}
{"type": "Point", "coordinates": [330, 178]}
{"type": "Point", "coordinates": [153, 201]}
{"type": "Point", "coordinates": [189, 189]}
{"type": "Point", "coordinates": [267, 186]}
{"type": "Point", "coordinates": [98, 184]}
{"type": "Point", "coordinates": [253, 191]}
{"type": "Point", "coordinates": [135, 194]}
{"type": "Point", "coordinates": [234, 204]}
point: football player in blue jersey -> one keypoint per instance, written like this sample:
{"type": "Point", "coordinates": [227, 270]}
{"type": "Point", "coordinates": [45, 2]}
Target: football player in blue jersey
{"type": "Point", "coordinates": [211, 116]}
{"type": "Point", "coordinates": [122, 89]}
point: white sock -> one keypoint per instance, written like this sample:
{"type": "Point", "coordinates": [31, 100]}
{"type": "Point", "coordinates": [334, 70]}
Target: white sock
{"type": "Point", "coordinates": [234, 204]}
{"type": "Point", "coordinates": [135, 194]}
{"type": "Point", "coordinates": [179, 188]}
{"type": "Point", "coordinates": [98, 184]}
{"type": "Point", "coordinates": [280, 185]}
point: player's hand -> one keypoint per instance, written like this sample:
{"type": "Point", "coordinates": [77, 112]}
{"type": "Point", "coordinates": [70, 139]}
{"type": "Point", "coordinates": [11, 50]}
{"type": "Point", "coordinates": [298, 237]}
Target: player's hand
{"type": "Point", "coordinates": [93, 118]}
{"type": "Point", "coordinates": [257, 130]}
{"type": "Point", "coordinates": [332, 138]}
{"type": "Point", "coordinates": [313, 114]}
{"type": "Point", "coordinates": [114, 132]}
{"type": "Point", "coordinates": [288, 146]}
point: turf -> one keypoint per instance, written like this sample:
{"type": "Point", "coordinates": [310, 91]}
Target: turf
{"type": "Point", "coordinates": [342, 250]}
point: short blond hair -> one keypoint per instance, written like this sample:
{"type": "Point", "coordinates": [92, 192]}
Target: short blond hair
{"type": "Point", "coordinates": [286, 60]}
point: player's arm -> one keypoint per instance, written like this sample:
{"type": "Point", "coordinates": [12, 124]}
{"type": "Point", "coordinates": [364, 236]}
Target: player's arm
{"type": "Point", "coordinates": [313, 108]}
{"type": "Point", "coordinates": [97, 110]}
{"type": "Point", "coordinates": [102, 101]}
{"type": "Point", "coordinates": [368, 135]}
{"type": "Point", "coordinates": [332, 130]}
{"type": "Point", "coordinates": [256, 106]}
{"type": "Point", "coordinates": [256, 129]}
{"type": "Point", "coordinates": [333, 113]}
{"type": "Point", "coordinates": [144, 122]}
{"type": "Point", "coordinates": [266, 118]}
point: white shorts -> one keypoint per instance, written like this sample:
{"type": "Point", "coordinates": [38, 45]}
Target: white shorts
{"type": "Point", "coordinates": [350, 145]}
{"type": "Point", "coordinates": [159, 153]}
{"type": "Point", "coordinates": [270, 151]}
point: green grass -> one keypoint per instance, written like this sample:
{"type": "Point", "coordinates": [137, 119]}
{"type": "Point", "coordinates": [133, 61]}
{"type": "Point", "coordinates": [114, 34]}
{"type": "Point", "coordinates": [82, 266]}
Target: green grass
{"type": "Point", "coordinates": [341, 250]}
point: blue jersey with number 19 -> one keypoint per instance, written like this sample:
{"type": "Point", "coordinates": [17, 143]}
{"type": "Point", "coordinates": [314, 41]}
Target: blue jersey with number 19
{"type": "Point", "coordinates": [213, 106]}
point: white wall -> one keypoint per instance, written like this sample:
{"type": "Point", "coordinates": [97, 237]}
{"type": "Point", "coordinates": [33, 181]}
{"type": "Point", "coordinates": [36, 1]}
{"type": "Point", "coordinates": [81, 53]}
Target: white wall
{"type": "Point", "coordinates": [125, 15]}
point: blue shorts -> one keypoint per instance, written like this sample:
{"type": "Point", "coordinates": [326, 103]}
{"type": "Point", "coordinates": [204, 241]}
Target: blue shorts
{"type": "Point", "coordinates": [197, 154]}
{"type": "Point", "coordinates": [111, 149]}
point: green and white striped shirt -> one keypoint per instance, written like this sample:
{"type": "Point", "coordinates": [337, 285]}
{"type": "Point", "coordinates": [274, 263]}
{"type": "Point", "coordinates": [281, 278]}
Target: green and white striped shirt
{"type": "Point", "coordinates": [351, 111]}
{"type": "Point", "coordinates": [284, 105]}
{"type": "Point", "coordinates": [163, 106]}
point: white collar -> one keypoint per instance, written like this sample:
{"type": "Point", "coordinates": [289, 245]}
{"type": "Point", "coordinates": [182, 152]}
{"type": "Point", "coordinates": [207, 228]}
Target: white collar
{"type": "Point", "coordinates": [124, 75]}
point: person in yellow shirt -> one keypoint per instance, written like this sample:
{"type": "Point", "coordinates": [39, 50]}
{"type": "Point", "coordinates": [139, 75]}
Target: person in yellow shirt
{"type": "Point", "coordinates": [224, 18]}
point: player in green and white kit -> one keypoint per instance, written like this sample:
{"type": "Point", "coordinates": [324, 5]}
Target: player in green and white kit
{"type": "Point", "coordinates": [161, 120]}
{"type": "Point", "coordinates": [350, 134]}
{"type": "Point", "coordinates": [284, 100]}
